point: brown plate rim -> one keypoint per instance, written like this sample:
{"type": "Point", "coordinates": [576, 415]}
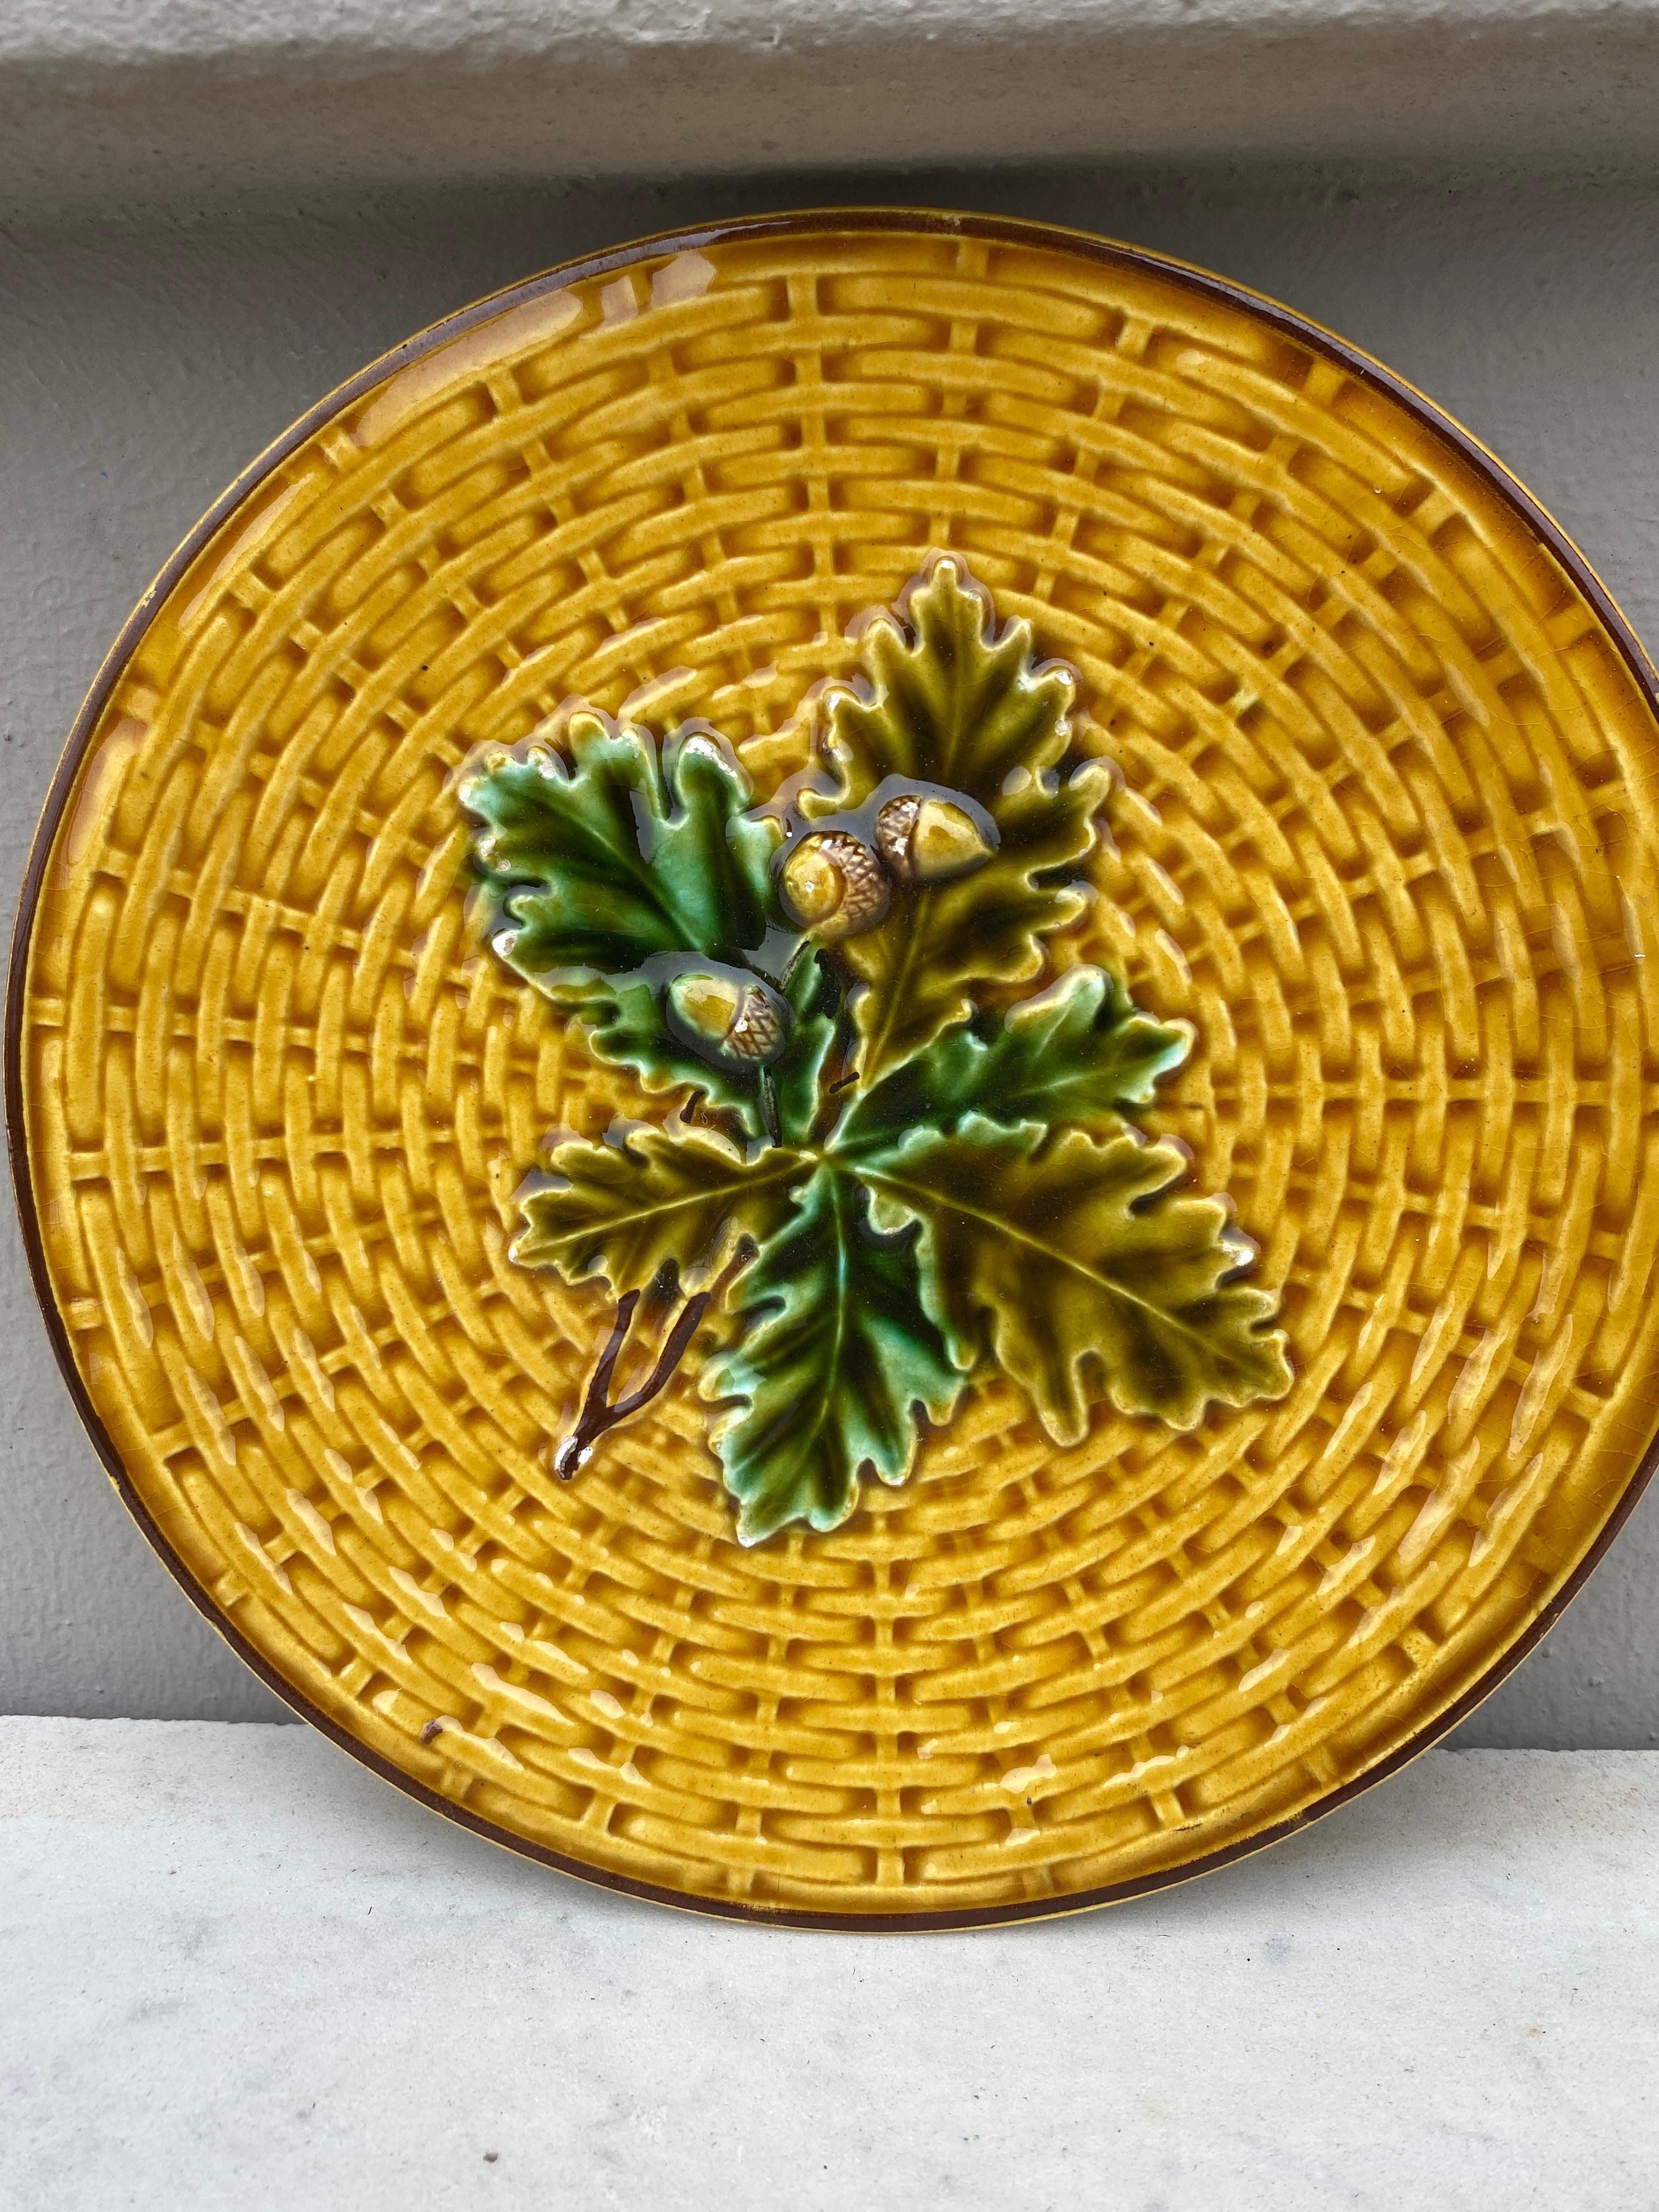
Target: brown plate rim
{"type": "Point", "coordinates": [1005, 230]}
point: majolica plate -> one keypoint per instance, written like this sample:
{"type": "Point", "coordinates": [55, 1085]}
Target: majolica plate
{"type": "Point", "coordinates": [832, 1065]}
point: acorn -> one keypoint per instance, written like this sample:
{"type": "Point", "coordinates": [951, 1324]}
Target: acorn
{"type": "Point", "coordinates": [725, 1015]}
{"type": "Point", "coordinates": [833, 884]}
{"type": "Point", "coordinates": [929, 840]}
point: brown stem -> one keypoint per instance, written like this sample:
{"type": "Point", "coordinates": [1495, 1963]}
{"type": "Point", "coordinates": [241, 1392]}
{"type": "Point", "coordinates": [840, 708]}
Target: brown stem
{"type": "Point", "coordinates": [599, 1411]}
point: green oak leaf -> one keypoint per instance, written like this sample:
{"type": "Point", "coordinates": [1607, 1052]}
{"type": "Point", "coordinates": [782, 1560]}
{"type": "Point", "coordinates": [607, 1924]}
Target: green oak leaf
{"type": "Point", "coordinates": [612, 869]}
{"type": "Point", "coordinates": [1057, 1251]}
{"type": "Point", "coordinates": [626, 1022]}
{"type": "Point", "coordinates": [620, 852]}
{"type": "Point", "coordinates": [815, 998]}
{"type": "Point", "coordinates": [1081, 1052]}
{"type": "Point", "coordinates": [948, 701]}
{"type": "Point", "coordinates": [834, 1359]}
{"type": "Point", "coordinates": [933, 1183]}
{"type": "Point", "coordinates": [659, 1197]}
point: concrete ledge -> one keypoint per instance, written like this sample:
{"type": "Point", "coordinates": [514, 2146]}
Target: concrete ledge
{"type": "Point", "coordinates": [103, 102]}
{"type": "Point", "coordinates": [239, 1971]}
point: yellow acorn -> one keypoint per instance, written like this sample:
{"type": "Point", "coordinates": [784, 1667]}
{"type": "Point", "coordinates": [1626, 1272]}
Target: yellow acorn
{"type": "Point", "coordinates": [833, 884]}
{"type": "Point", "coordinates": [723, 1014]}
{"type": "Point", "coordinates": [929, 840]}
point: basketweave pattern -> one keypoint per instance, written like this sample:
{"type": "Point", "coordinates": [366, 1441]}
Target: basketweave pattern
{"type": "Point", "coordinates": [1386, 837]}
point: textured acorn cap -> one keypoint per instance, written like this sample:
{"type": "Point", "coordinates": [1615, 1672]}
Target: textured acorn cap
{"type": "Point", "coordinates": [833, 884]}
{"type": "Point", "coordinates": [761, 1027]}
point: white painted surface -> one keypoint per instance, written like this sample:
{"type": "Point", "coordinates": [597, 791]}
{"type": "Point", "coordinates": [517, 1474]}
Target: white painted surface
{"type": "Point", "coordinates": [237, 1970]}
{"type": "Point", "coordinates": [102, 100]}
{"type": "Point", "coordinates": [141, 364]}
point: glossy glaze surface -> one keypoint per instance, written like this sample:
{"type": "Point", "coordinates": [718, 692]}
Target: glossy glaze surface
{"type": "Point", "coordinates": [1385, 840]}
{"type": "Point", "coordinates": [902, 1157]}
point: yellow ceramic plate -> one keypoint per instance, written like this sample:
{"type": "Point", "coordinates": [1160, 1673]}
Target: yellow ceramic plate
{"type": "Point", "coordinates": [1386, 839]}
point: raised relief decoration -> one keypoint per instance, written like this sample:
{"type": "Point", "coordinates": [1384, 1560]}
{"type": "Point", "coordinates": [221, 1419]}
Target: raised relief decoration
{"type": "Point", "coordinates": [903, 1152]}
{"type": "Point", "coordinates": [746, 874]}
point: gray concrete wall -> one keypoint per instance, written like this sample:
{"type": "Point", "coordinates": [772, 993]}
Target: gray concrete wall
{"type": "Point", "coordinates": [143, 363]}
{"type": "Point", "coordinates": [104, 99]}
